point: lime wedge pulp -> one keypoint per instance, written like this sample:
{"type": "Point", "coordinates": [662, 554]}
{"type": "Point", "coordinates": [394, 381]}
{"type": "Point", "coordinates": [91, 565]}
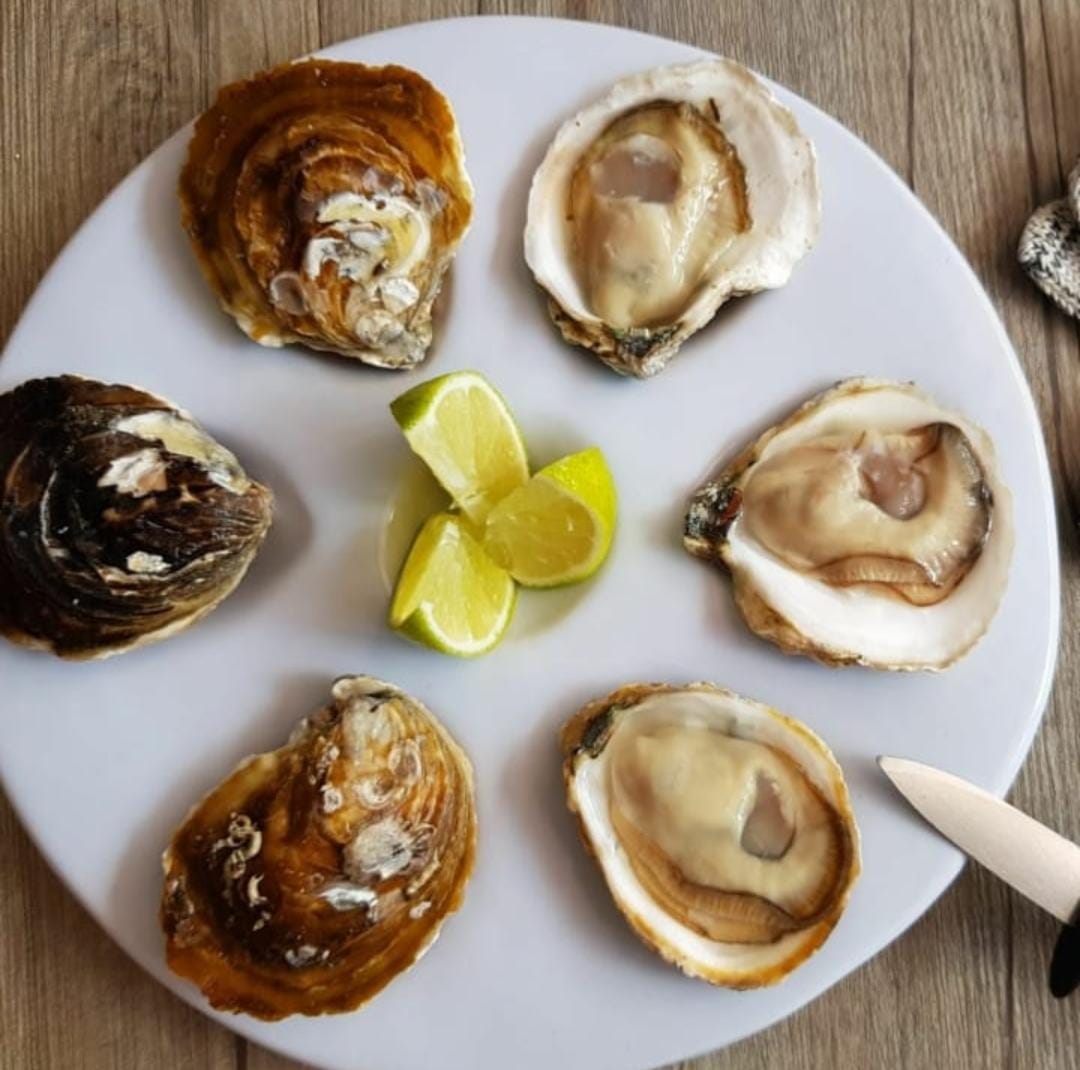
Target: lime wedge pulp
{"type": "Point", "coordinates": [558, 527]}
{"type": "Point", "coordinates": [461, 427]}
{"type": "Point", "coordinates": [450, 595]}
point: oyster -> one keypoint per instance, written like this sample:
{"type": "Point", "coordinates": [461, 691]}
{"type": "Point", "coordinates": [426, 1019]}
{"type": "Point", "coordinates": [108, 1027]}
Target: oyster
{"type": "Point", "coordinates": [871, 526]}
{"type": "Point", "coordinates": [324, 202]}
{"type": "Point", "coordinates": [313, 875]}
{"type": "Point", "coordinates": [682, 187]}
{"type": "Point", "coordinates": [723, 828]}
{"type": "Point", "coordinates": [121, 520]}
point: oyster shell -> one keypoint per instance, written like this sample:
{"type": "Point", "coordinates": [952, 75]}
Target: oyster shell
{"type": "Point", "coordinates": [121, 520]}
{"type": "Point", "coordinates": [682, 187]}
{"type": "Point", "coordinates": [871, 527]}
{"type": "Point", "coordinates": [723, 829]}
{"type": "Point", "coordinates": [314, 874]}
{"type": "Point", "coordinates": [324, 202]}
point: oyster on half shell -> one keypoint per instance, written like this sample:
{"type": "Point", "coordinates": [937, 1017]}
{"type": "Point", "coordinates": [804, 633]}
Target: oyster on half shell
{"type": "Point", "coordinates": [122, 521]}
{"type": "Point", "coordinates": [872, 526]}
{"type": "Point", "coordinates": [723, 828]}
{"type": "Point", "coordinates": [314, 874]}
{"type": "Point", "coordinates": [682, 187]}
{"type": "Point", "coordinates": [324, 202]}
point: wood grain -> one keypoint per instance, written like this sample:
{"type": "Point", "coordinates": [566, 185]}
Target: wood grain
{"type": "Point", "coordinates": [976, 103]}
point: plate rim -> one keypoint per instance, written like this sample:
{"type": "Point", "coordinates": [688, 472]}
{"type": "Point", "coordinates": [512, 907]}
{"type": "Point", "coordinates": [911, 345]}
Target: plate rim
{"type": "Point", "coordinates": [915, 909]}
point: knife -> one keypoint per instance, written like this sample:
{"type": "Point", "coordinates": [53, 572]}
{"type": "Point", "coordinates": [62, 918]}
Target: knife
{"type": "Point", "coordinates": [1035, 860]}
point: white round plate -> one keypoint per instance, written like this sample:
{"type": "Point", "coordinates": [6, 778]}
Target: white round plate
{"type": "Point", "coordinates": [538, 970]}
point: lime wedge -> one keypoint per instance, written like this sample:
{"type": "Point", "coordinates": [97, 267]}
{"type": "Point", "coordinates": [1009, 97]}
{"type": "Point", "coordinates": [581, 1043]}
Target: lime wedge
{"type": "Point", "coordinates": [463, 430]}
{"type": "Point", "coordinates": [558, 527]}
{"type": "Point", "coordinates": [450, 595]}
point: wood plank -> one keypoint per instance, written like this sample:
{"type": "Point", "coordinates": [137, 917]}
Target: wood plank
{"type": "Point", "coordinates": [341, 21]}
{"type": "Point", "coordinates": [70, 999]}
{"type": "Point", "coordinates": [262, 1059]}
{"type": "Point", "coordinates": [1061, 24]}
{"type": "Point", "coordinates": [236, 40]}
{"type": "Point", "coordinates": [1045, 1033]}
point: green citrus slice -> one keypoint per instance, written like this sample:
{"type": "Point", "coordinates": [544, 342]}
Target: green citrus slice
{"type": "Point", "coordinates": [461, 427]}
{"type": "Point", "coordinates": [450, 595]}
{"type": "Point", "coordinates": [558, 527]}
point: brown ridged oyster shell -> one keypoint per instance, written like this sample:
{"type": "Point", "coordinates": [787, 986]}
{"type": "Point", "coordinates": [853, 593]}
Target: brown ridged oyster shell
{"type": "Point", "coordinates": [324, 202]}
{"type": "Point", "coordinates": [121, 521]}
{"type": "Point", "coordinates": [315, 874]}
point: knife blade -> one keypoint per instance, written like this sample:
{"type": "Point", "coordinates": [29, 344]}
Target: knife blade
{"type": "Point", "coordinates": [1038, 862]}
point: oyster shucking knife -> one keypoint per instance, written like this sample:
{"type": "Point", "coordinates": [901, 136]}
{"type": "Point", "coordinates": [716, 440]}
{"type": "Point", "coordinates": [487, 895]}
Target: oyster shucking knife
{"type": "Point", "coordinates": [1032, 858]}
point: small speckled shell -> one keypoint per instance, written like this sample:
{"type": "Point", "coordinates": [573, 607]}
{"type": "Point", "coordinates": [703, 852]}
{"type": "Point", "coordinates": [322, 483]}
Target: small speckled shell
{"type": "Point", "coordinates": [109, 537]}
{"type": "Point", "coordinates": [314, 874]}
{"type": "Point", "coordinates": [1050, 247]}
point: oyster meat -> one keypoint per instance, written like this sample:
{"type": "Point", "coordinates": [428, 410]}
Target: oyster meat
{"type": "Point", "coordinates": [324, 202]}
{"type": "Point", "coordinates": [871, 526]}
{"type": "Point", "coordinates": [121, 520]}
{"type": "Point", "coordinates": [313, 875]}
{"type": "Point", "coordinates": [682, 187]}
{"type": "Point", "coordinates": [723, 828]}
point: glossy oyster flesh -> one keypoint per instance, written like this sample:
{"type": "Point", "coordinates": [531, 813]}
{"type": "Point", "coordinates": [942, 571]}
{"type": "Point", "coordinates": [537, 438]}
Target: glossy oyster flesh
{"type": "Point", "coordinates": [684, 186]}
{"type": "Point", "coordinates": [315, 874]}
{"type": "Point", "coordinates": [325, 202]}
{"type": "Point", "coordinates": [121, 520]}
{"type": "Point", "coordinates": [723, 828]}
{"type": "Point", "coordinates": [871, 526]}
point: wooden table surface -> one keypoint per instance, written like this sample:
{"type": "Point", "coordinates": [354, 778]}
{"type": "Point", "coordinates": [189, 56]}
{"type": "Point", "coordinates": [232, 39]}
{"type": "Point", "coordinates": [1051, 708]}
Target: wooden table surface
{"type": "Point", "coordinates": [975, 103]}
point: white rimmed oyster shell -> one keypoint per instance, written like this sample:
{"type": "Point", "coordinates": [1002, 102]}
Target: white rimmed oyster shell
{"type": "Point", "coordinates": [682, 187]}
{"type": "Point", "coordinates": [723, 829]}
{"type": "Point", "coordinates": [871, 527]}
